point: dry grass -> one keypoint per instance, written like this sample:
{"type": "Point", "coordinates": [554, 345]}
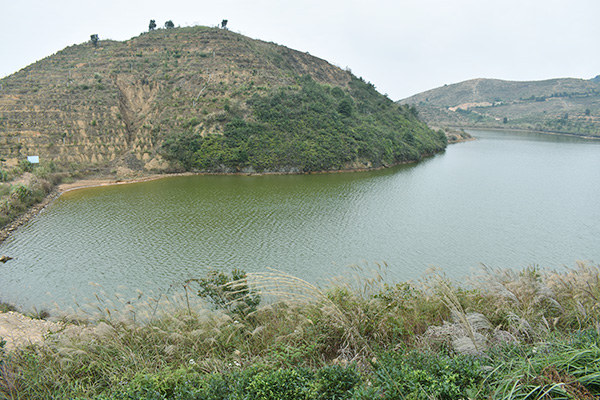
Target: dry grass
{"type": "Point", "coordinates": [301, 324]}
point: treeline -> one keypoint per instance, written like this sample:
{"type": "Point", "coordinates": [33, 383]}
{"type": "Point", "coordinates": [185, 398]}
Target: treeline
{"type": "Point", "coordinates": [309, 127]}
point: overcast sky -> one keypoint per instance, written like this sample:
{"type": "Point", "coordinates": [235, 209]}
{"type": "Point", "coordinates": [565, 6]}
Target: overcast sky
{"type": "Point", "coordinates": [403, 47]}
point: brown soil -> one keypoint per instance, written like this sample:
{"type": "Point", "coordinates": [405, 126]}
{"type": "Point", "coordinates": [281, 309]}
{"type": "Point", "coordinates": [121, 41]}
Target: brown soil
{"type": "Point", "coordinates": [86, 183]}
{"type": "Point", "coordinates": [18, 330]}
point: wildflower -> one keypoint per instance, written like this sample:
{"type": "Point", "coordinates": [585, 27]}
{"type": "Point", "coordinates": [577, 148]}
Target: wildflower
{"type": "Point", "coordinates": [192, 362]}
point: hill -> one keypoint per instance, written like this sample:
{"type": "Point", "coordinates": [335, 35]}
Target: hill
{"type": "Point", "coordinates": [556, 105]}
{"type": "Point", "coordinates": [200, 98]}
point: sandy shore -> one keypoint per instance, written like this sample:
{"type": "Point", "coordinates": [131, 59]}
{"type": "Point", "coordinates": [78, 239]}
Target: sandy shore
{"type": "Point", "coordinates": [87, 183]}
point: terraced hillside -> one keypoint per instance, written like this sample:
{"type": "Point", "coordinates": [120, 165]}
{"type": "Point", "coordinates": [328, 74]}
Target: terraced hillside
{"type": "Point", "coordinates": [118, 103]}
{"type": "Point", "coordinates": [556, 105]}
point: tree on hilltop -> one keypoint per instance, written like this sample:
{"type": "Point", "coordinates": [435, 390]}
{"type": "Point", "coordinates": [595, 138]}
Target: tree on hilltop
{"type": "Point", "coordinates": [224, 24]}
{"type": "Point", "coordinates": [152, 25]}
{"type": "Point", "coordinates": [94, 38]}
{"type": "Point", "coordinates": [169, 24]}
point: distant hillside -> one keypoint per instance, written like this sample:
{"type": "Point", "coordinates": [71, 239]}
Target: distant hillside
{"type": "Point", "coordinates": [556, 105]}
{"type": "Point", "coordinates": [202, 98]}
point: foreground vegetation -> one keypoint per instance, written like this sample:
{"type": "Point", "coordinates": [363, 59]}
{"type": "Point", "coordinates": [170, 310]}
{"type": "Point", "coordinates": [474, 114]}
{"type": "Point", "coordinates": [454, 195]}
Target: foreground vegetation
{"type": "Point", "coordinates": [529, 334]}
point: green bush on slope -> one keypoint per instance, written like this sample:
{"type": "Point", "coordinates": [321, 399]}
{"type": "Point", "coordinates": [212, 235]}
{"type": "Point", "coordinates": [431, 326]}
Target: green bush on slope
{"type": "Point", "coordinates": [310, 127]}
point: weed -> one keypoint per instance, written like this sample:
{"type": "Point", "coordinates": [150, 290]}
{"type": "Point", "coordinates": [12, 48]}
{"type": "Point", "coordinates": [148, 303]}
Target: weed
{"type": "Point", "coordinates": [356, 339]}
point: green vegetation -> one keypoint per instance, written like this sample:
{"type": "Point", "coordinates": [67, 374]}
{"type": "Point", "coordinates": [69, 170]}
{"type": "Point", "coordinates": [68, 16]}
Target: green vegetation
{"type": "Point", "coordinates": [6, 307]}
{"type": "Point", "coordinates": [94, 39]}
{"type": "Point", "coordinates": [308, 127]}
{"type": "Point", "coordinates": [35, 183]}
{"type": "Point", "coordinates": [529, 334]}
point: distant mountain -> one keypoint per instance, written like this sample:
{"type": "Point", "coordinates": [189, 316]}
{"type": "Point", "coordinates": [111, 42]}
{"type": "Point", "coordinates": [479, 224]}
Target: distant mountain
{"type": "Point", "coordinates": [202, 98]}
{"type": "Point", "coordinates": [556, 105]}
{"type": "Point", "coordinates": [596, 79]}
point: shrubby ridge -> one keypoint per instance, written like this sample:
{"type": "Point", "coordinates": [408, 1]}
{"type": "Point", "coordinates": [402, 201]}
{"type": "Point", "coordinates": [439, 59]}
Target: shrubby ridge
{"type": "Point", "coordinates": [309, 127]}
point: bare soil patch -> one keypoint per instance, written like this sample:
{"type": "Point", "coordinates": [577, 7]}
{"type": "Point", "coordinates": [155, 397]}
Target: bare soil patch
{"type": "Point", "coordinates": [18, 330]}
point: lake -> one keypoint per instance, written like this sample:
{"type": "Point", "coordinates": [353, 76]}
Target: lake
{"type": "Point", "coordinates": [507, 200]}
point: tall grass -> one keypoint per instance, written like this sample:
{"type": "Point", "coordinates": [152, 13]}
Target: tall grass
{"type": "Point", "coordinates": [506, 336]}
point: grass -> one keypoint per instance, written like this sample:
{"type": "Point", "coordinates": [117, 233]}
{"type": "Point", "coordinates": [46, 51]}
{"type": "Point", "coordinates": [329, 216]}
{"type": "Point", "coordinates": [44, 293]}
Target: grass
{"type": "Point", "coordinates": [27, 185]}
{"type": "Point", "coordinates": [6, 307]}
{"type": "Point", "coordinates": [529, 334]}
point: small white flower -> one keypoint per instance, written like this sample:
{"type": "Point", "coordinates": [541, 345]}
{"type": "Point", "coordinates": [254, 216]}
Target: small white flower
{"type": "Point", "coordinates": [192, 362]}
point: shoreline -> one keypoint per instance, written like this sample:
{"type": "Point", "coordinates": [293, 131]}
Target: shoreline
{"type": "Point", "coordinates": [477, 128]}
{"type": "Point", "coordinates": [462, 140]}
{"type": "Point", "coordinates": [61, 188]}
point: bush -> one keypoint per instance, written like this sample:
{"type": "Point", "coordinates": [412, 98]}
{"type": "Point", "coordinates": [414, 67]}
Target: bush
{"type": "Point", "coordinates": [308, 127]}
{"type": "Point", "coordinates": [336, 382]}
{"type": "Point", "coordinates": [280, 384]}
{"type": "Point", "coordinates": [330, 383]}
{"type": "Point", "coordinates": [424, 375]}
{"type": "Point", "coordinates": [229, 293]}
{"type": "Point", "coordinates": [22, 192]}
{"type": "Point", "coordinates": [25, 166]}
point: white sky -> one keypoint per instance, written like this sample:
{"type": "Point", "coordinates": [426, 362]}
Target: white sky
{"type": "Point", "coordinates": [403, 47]}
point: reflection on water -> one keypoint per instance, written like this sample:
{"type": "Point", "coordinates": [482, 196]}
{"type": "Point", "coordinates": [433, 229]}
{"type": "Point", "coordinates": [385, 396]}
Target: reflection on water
{"type": "Point", "coordinates": [506, 200]}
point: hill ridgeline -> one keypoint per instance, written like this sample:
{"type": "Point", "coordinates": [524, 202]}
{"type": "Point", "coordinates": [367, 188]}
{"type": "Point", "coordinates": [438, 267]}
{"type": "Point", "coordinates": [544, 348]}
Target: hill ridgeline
{"type": "Point", "coordinates": [203, 99]}
{"type": "Point", "coordinates": [570, 106]}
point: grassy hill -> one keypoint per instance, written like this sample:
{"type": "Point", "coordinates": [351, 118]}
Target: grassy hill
{"type": "Point", "coordinates": [556, 105]}
{"type": "Point", "coordinates": [202, 98]}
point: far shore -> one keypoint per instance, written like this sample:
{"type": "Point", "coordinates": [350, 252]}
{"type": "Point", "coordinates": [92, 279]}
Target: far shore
{"type": "Point", "coordinates": [480, 128]}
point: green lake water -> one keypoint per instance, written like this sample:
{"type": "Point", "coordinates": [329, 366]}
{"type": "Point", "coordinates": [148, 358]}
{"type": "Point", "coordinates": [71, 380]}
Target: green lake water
{"type": "Point", "coordinates": [507, 200]}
